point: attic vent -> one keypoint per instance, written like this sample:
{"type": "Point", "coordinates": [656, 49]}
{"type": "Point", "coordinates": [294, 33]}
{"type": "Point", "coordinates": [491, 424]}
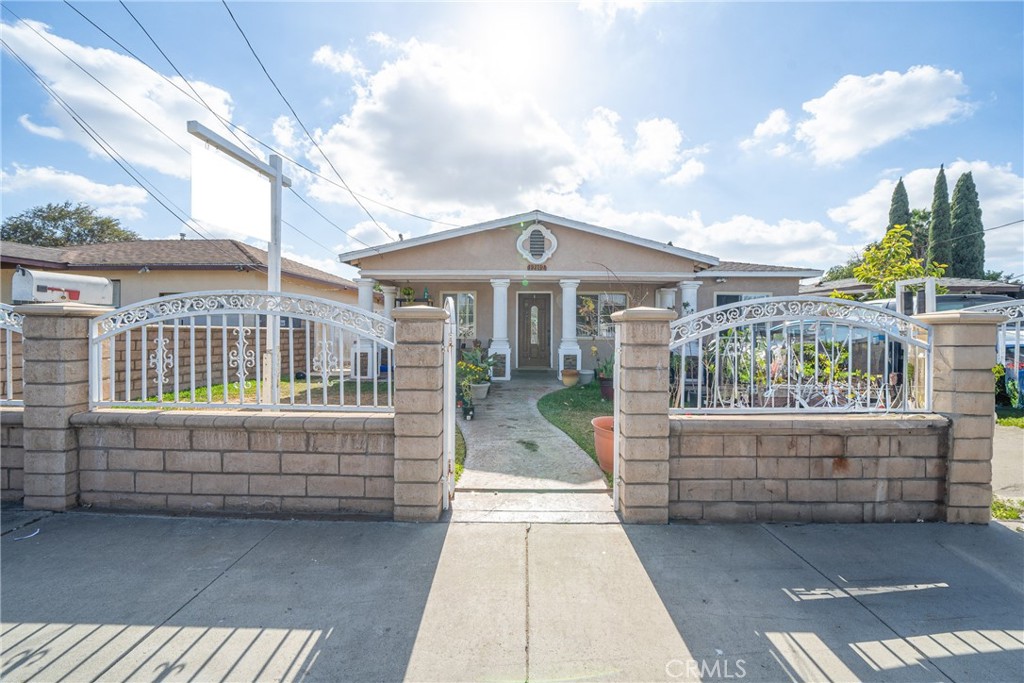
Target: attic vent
{"type": "Point", "coordinates": [537, 243]}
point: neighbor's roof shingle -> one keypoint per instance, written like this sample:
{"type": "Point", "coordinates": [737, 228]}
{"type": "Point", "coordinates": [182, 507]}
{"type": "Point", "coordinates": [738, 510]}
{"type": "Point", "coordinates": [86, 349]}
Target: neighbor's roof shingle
{"type": "Point", "coordinates": [164, 253]}
{"type": "Point", "coordinates": [737, 266]}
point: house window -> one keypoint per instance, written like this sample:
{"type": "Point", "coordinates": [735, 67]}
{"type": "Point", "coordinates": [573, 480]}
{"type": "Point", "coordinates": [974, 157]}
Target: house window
{"type": "Point", "coordinates": [594, 313]}
{"type": "Point", "coordinates": [726, 299]}
{"type": "Point", "coordinates": [465, 312]}
{"type": "Point", "coordinates": [116, 294]}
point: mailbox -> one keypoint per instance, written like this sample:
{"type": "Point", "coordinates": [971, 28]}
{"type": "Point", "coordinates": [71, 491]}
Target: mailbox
{"type": "Point", "coordinates": [40, 286]}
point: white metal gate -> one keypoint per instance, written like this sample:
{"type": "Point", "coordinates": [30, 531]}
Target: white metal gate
{"type": "Point", "coordinates": [450, 336]}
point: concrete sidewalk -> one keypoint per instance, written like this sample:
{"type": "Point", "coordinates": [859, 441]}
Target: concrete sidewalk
{"type": "Point", "coordinates": [154, 598]}
{"type": "Point", "coordinates": [1008, 462]}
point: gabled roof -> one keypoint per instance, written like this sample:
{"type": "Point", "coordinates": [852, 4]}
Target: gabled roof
{"type": "Point", "coordinates": [739, 269]}
{"type": "Point", "coordinates": [354, 256]}
{"type": "Point", "coordinates": [216, 254]}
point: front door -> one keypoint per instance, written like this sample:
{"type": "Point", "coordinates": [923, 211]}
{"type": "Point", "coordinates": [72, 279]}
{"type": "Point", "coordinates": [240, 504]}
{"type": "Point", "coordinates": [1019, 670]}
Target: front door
{"type": "Point", "coordinates": [535, 331]}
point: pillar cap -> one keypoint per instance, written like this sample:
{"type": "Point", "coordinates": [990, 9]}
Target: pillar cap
{"type": "Point", "coordinates": [962, 317]}
{"type": "Point", "coordinates": [419, 313]}
{"type": "Point", "coordinates": [63, 310]}
{"type": "Point", "coordinates": [644, 314]}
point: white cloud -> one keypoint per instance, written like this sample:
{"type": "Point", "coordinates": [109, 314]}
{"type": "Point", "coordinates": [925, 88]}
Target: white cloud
{"type": "Point", "coordinates": [860, 113]}
{"type": "Point", "coordinates": [690, 170]}
{"type": "Point", "coordinates": [51, 132]}
{"type": "Point", "coordinates": [657, 145]}
{"type": "Point", "coordinates": [1000, 193]}
{"type": "Point", "coordinates": [119, 201]}
{"type": "Point", "coordinates": [606, 11]}
{"type": "Point", "coordinates": [146, 91]}
{"type": "Point", "coordinates": [339, 62]}
{"type": "Point", "coordinates": [775, 125]}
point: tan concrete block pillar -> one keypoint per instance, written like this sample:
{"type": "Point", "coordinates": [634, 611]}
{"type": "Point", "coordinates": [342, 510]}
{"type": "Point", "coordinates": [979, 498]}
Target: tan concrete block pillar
{"type": "Point", "coordinates": [962, 390]}
{"type": "Point", "coordinates": [642, 397]}
{"type": "Point", "coordinates": [56, 356]}
{"type": "Point", "coordinates": [419, 404]}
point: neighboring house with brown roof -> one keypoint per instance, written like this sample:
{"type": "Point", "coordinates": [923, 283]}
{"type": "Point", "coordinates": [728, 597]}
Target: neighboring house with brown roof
{"type": "Point", "coordinates": [145, 269]}
{"type": "Point", "coordinates": [538, 289]}
{"type": "Point", "coordinates": [954, 285]}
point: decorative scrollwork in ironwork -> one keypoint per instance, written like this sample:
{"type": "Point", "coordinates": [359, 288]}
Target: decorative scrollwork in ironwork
{"type": "Point", "coordinates": [780, 309]}
{"type": "Point", "coordinates": [247, 303]}
{"type": "Point", "coordinates": [241, 357]}
{"type": "Point", "coordinates": [9, 320]}
{"type": "Point", "coordinates": [161, 359]}
{"type": "Point", "coordinates": [325, 360]}
{"type": "Point", "coordinates": [1014, 310]}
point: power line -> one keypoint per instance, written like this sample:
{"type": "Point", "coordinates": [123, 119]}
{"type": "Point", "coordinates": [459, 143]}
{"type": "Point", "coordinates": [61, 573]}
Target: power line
{"type": "Point", "coordinates": [198, 99]}
{"type": "Point", "coordinates": [299, 120]}
{"type": "Point", "coordinates": [125, 165]}
{"type": "Point", "coordinates": [983, 230]}
{"type": "Point", "coordinates": [232, 127]}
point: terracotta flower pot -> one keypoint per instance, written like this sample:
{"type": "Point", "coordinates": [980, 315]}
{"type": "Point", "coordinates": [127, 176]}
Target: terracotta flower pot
{"type": "Point", "coordinates": [570, 377]}
{"type": "Point", "coordinates": [604, 441]}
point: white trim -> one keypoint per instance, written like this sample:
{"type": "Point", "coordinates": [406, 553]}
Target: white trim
{"type": "Point", "coordinates": [454, 293]}
{"type": "Point", "coordinates": [711, 273]}
{"type": "Point", "coordinates": [551, 327]}
{"type": "Point", "coordinates": [524, 249]}
{"type": "Point", "coordinates": [511, 221]}
{"type": "Point", "coordinates": [750, 296]}
{"type": "Point", "coordinates": [596, 337]}
{"type": "Point", "coordinates": [552, 276]}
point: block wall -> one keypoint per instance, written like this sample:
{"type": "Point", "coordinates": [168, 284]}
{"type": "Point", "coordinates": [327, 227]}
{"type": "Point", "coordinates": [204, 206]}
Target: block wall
{"type": "Point", "coordinates": [12, 455]}
{"type": "Point", "coordinates": [264, 464]}
{"type": "Point", "coordinates": [813, 468]}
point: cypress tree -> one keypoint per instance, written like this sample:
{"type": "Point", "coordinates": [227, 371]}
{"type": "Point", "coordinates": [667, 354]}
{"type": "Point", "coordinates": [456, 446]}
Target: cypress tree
{"type": "Point", "coordinates": [899, 207]}
{"type": "Point", "coordinates": [940, 246]}
{"type": "Point", "coordinates": [968, 259]}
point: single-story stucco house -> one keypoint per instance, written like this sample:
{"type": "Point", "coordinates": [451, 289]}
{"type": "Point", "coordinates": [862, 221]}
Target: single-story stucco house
{"type": "Point", "coordinates": [538, 290]}
{"type": "Point", "coordinates": [145, 269]}
{"type": "Point", "coordinates": [954, 285]}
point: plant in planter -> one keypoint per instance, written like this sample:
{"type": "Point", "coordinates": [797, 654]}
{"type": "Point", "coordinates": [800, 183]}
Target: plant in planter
{"type": "Point", "coordinates": [408, 293]}
{"type": "Point", "coordinates": [473, 379]}
{"type": "Point", "coordinates": [605, 374]}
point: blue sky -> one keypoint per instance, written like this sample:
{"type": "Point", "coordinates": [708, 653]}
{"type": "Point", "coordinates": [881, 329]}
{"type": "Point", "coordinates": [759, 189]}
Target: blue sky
{"type": "Point", "coordinates": [765, 132]}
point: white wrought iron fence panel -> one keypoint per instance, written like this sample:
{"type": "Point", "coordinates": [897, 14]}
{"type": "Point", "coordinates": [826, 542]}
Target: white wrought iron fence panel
{"type": "Point", "coordinates": [1010, 336]}
{"type": "Point", "coordinates": [216, 349]}
{"type": "Point", "coordinates": [451, 332]}
{"type": "Point", "coordinates": [11, 374]}
{"type": "Point", "coordinates": [800, 353]}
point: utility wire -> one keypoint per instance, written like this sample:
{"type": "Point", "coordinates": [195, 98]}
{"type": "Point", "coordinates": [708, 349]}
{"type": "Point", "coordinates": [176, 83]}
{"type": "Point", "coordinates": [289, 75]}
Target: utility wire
{"type": "Point", "coordinates": [299, 120]}
{"type": "Point", "coordinates": [125, 165]}
{"type": "Point", "coordinates": [98, 81]}
{"type": "Point", "coordinates": [198, 99]}
{"type": "Point", "coordinates": [233, 127]}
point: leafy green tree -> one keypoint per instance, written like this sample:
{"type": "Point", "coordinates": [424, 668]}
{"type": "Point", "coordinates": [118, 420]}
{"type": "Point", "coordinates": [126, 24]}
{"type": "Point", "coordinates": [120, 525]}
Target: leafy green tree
{"type": "Point", "coordinates": [891, 260]}
{"type": "Point", "coordinates": [968, 258]}
{"type": "Point", "coordinates": [899, 207]}
{"type": "Point", "coordinates": [940, 244]}
{"type": "Point", "coordinates": [60, 225]}
{"type": "Point", "coordinates": [919, 222]}
{"type": "Point", "coordinates": [1001, 276]}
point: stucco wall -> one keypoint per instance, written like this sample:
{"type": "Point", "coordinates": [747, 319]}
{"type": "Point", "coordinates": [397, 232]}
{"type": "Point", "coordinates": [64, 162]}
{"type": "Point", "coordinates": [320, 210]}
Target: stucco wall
{"type": "Point", "coordinates": [775, 286]}
{"type": "Point", "coordinates": [236, 462]}
{"type": "Point", "coordinates": [810, 468]}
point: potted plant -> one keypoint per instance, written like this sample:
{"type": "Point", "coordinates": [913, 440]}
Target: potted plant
{"type": "Point", "coordinates": [605, 375]}
{"type": "Point", "coordinates": [604, 441]}
{"type": "Point", "coordinates": [473, 378]}
{"type": "Point", "coordinates": [408, 293]}
{"type": "Point", "coordinates": [570, 377]}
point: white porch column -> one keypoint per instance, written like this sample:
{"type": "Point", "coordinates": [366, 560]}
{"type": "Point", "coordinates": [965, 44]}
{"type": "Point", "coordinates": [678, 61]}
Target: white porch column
{"type": "Point", "coordinates": [365, 285]}
{"type": "Point", "coordinates": [568, 348]}
{"type": "Point", "coordinates": [500, 350]}
{"type": "Point", "coordinates": [688, 289]}
{"type": "Point", "coordinates": [390, 293]}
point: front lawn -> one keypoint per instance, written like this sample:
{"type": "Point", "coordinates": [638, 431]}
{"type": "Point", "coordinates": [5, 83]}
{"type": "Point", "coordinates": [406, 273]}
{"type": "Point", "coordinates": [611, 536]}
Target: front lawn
{"type": "Point", "coordinates": [572, 409]}
{"type": "Point", "coordinates": [1010, 417]}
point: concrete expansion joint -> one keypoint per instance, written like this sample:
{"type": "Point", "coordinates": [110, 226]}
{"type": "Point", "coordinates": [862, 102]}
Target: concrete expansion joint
{"type": "Point", "coordinates": [526, 574]}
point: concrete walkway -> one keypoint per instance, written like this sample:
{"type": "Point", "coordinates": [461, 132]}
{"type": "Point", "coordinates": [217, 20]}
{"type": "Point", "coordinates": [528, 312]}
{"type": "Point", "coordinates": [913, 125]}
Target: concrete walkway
{"type": "Point", "coordinates": [521, 468]}
{"type": "Point", "coordinates": [121, 597]}
{"type": "Point", "coordinates": [1008, 462]}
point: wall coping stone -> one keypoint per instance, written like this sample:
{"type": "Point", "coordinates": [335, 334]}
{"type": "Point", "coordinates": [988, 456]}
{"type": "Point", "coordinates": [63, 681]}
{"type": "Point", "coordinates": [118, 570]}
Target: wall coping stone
{"type": "Point", "coordinates": [804, 424]}
{"type": "Point", "coordinates": [419, 313]}
{"type": "Point", "coordinates": [63, 310]}
{"type": "Point", "coordinates": [12, 415]}
{"type": "Point", "coordinates": [225, 419]}
{"type": "Point", "coordinates": [644, 314]}
{"type": "Point", "coordinates": [961, 317]}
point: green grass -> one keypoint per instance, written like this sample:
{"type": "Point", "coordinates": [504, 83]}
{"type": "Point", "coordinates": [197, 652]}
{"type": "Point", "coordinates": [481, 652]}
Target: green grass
{"type": "Point", "coordinates": [216, 393]}
{"type": "Point", "coordinates": [1010, 417]}
{"type": "Point", "coordinates": [572, 409]}
{"type": "Point", "coordinates": [1006, 508]}
{"type": "Point", "coordinates": [460, 453]}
